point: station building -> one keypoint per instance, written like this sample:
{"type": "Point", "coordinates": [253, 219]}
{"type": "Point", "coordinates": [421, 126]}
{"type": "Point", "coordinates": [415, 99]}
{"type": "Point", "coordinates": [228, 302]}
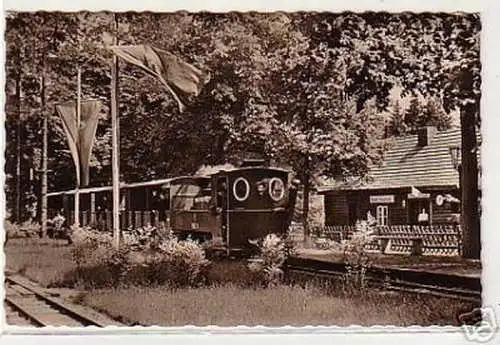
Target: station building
{"type": "Point", "coordinates": [417, 183]}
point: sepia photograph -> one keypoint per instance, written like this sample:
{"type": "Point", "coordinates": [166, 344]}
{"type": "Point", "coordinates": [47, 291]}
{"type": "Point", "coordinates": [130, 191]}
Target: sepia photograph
{"type": "Point", "coordinates": [242, 168]}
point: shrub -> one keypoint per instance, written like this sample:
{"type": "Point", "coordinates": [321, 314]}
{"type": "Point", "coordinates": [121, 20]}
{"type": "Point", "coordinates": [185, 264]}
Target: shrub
{"type": "Point", "coordinates": [183, 261]}
{"type": "Point", "coordinates": [89, 246]}
{"type": "Point", "coordinates": [273, 253]}
{"type": "Point", "coordinates": [26, 229]}
{"type": "Point", "coordinates": [11, 230]}
{"type": "Point", "coordinates": [145, 238]}
{"type": "Point", "coordinates": [98, 262]}
{"type": "Point", "coordinates": [177, 263]}
{"type": "Point", "coordinates": [146, 256]}
{"type": "Point", "coordinates": [356, 256]}
{"type": "Point", "coordinates": [118, 264]}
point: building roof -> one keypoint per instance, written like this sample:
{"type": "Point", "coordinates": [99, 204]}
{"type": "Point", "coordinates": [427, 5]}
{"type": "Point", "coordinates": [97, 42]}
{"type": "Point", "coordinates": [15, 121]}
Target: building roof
{"type": "Point", "coordinates": [86, 190]}
{"type": "Point", "coordinates": [406, 164]}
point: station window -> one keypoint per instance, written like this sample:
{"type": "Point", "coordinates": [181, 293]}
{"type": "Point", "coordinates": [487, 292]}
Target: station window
{"type": "Point", "coordinates": [383, 215]}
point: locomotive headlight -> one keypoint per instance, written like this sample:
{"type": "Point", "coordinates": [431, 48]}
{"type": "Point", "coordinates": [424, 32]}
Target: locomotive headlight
{"type": "Point", "coordinates": [276, 189]}
{"type": "Point", "coordinates": [261, 188]}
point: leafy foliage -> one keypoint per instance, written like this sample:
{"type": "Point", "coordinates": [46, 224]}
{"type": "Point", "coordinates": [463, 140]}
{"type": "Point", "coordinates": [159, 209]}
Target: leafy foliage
{"type": "Point", "coordinates": [273, 253]}
{"type": "Point", "coordinates": [143, 258]}
{"type": "Point", "coordinates": [396, 126]}
{"type": "Point", "coordinates": [430, 113]}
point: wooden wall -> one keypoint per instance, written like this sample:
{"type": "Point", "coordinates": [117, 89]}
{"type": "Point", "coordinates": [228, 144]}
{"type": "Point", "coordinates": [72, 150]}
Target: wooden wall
{"type": "Point", "coordinates": [337, 206]}
{"type": "Point", "coordinates": [443, 214]}
{"type": "Point", "coordinates": [398, 213]}
{"type": "Point", "coordinates": [336, 209]}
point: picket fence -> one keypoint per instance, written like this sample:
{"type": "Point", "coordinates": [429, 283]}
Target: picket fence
{"type": "Point", "coordinates": [442, 239]}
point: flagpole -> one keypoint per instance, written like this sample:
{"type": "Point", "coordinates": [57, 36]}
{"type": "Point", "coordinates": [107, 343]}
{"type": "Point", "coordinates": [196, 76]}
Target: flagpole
{"type": "Point", "coordinates": [45, 145]}
{"type": "Point", "coordinates": [114, 144]}
{"type": "Point", "coordinates": [78, 119]}
{"type": "Point", "coordinates": [18, 148]}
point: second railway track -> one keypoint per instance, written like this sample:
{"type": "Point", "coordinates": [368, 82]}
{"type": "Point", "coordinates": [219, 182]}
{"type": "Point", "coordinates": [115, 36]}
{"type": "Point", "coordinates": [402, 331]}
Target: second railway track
{"type": "Point", "coordinates": [404, 280]}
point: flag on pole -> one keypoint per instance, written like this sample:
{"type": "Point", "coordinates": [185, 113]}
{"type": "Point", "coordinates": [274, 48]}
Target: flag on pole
{"type": "Point", "coordinates": [450, 198]}
{"type": "Point", "coordinates": [180, 78]}
{"type": "Point", "coordinates": [80, 140]}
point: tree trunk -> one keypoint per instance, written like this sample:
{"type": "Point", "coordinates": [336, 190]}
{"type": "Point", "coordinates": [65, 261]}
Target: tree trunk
{"type": "Point", "coordinates": [469, 184]}
{"type": "Point", "coordinates": [45, 144]}
{"type": "Point", "coordinates": [305, 209]}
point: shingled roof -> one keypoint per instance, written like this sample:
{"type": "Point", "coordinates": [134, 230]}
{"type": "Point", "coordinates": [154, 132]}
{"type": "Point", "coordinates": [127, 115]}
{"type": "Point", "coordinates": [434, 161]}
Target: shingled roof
{"type": "Point", "coordinates": [407, 164]}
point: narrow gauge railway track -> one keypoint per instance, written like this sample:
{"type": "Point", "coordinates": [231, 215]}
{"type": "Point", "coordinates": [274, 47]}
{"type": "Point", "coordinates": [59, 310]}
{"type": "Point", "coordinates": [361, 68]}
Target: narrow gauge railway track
{"type": "Point", "coordinates": [27, 305]}
{"type": "Point", "coordinates": [404, 280]}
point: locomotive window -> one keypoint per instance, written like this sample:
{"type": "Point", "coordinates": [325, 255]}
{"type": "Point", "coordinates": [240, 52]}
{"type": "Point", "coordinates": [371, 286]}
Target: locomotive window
{"type": "Point", "coordinates": [183, 196]}
{"type": "Point", "coordinates": [241, 189]}
{"type": "Point", "coordinates": [276, 189]}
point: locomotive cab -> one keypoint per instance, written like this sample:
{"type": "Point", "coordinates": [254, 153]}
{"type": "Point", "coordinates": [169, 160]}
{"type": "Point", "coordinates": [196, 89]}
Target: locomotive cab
{"type": "Point", "coordinates": [253, 201]}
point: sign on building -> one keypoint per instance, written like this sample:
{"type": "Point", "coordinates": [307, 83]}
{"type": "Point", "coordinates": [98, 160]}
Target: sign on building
{"type": "Point", "coordinates": [382, 199]}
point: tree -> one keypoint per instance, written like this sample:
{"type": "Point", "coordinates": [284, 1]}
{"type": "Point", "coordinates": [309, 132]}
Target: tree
{"type": "Point", "coordinates": [319, 130]}
{"type": "Point", "coordinates": [32, 38]}
{"type": "Point", "coordinates": [301, 75]}
{"type": "Point", "coordinates": [447, 48]}
{"type": "Point", "coordinates": [433, 54]}
{"type": "Point", "coordinates": [268, 82]}
{"type": "Point", "coordinates": [414, 116]}
{"type": "Point", "coordinates": [434, 115]}
{"type": "Point", "coordinates": [397, 124]}
{"type": "Point", "coordinates": [426, 113]}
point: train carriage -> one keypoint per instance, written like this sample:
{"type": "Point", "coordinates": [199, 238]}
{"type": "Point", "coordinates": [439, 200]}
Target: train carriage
{"type": "Point", "coordinates": [141, 204]}
{"type": "Point", "coordinates": [190, 212]}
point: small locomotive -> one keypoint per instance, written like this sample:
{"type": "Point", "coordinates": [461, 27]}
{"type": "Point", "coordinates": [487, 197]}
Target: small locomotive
{"type": "Point", "coordinates": [233, 205]}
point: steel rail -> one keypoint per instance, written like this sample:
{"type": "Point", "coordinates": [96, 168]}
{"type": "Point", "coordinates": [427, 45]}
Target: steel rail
{"type": "Point", "coordinates": [395, 279]}
{"type": "Point", "coordinates": [58, 306]}
{"type": "Point", "coordinates": [24, 313]}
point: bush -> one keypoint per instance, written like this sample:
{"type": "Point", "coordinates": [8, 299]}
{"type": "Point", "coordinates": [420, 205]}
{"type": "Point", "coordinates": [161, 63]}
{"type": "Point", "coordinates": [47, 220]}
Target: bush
{"type": "Point", "coordinates": [356, 257]}
{"type": "Point", "coordinates": [145, 238]}
{"type": "Point", "coordinates": [90, 246]}
{"type": "Point", "coordinates": [145, 257]}
{"type": "Point", "coordinates": [26, 229]}
{"type": "Point", "coordinates": [11, 230]}
{"type": "Point", "coordinates": [183, 261]}
{"type": "Point", "coordinates": [273, 253]}
{"type": "Point", "coordinates": [98, 262]}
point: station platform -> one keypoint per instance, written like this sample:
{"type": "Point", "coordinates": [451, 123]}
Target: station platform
{"type": "Point", "coordinates": [452, 265]}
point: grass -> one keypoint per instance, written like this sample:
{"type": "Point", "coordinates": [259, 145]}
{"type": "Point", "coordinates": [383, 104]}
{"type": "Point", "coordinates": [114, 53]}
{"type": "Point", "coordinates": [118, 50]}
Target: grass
{"type": "Point", "coordinates": [43, 261]}
{"type": "Point", "coordinates": [277, 306]}
{"type": "Point", "coordinates": [233, 299]}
